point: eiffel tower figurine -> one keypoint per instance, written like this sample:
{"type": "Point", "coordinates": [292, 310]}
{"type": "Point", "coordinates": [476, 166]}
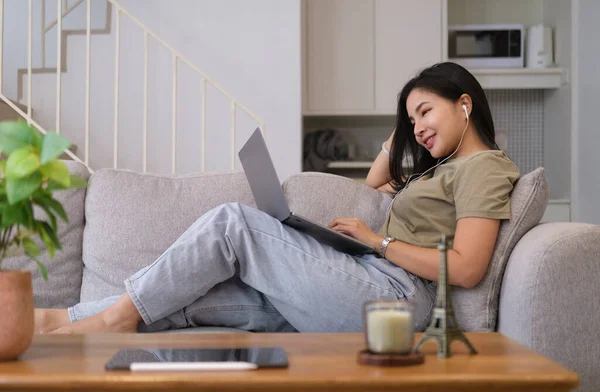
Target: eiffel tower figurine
{"type": "Point", "coordinates": [443, 327]}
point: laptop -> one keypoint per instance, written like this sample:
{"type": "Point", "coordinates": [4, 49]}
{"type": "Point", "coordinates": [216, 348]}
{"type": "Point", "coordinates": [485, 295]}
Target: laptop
{"type": "Point", "coordinates": [267, 192]}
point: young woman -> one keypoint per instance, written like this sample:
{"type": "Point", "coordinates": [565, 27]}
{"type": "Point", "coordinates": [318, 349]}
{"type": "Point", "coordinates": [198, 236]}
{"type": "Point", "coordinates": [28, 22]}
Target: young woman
{"type": "Point", "coordinates": [239, 267]}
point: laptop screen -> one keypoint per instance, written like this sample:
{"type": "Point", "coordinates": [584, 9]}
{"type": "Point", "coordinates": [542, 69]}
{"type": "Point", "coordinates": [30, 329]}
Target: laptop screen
{"type": "Point", "coordinates": [262, 177]}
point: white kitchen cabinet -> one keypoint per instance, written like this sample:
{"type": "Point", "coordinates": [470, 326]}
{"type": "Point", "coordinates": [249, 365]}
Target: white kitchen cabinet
{"type": "Point", "coordinates": [359, 53]}
{"type": "Point", "coordinates": [408, 37]}
{"type": "Point", "coordinates": [339, 55]}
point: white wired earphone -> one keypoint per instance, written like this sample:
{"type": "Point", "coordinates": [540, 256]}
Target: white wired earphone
{"type": "Point", "coordinates": [464, 106]}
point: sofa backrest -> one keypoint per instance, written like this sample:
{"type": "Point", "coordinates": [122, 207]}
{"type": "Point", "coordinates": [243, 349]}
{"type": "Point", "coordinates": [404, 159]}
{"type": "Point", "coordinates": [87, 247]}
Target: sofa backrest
{"type": "Point", "coordinates": [64, 271]}
{"type": "Point", "coordinates": [132, 218]}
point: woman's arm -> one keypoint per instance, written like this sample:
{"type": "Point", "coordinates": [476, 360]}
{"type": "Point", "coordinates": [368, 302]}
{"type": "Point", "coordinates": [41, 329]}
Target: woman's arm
{"type": "Point", "coordinates": [468, 259]}
{"type": "Point", "coordinates": [379, 174]}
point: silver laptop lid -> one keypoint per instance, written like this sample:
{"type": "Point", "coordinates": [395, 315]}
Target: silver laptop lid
{"type": "Point", "coordinates": [262, 177]}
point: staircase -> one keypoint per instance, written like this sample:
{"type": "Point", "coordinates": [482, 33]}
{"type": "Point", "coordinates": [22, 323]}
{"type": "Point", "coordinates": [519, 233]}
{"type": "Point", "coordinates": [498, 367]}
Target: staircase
{"type": "Point", "coordinates": [121, 94]}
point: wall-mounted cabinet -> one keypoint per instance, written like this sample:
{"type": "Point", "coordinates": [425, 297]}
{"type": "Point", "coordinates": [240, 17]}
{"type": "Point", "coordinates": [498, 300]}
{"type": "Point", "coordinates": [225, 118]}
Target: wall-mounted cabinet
{"type": "Point", "coordinates": [359, 53]}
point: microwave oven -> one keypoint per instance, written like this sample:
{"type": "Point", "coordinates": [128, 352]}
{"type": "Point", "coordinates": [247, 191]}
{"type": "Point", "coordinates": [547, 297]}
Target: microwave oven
{"type": "Point", "coordinates": [487, 45]}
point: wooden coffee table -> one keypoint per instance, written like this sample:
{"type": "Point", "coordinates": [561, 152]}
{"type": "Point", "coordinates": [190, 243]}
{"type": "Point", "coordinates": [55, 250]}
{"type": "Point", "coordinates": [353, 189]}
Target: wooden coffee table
{"type": "Point", "coordinates": [318, 362]}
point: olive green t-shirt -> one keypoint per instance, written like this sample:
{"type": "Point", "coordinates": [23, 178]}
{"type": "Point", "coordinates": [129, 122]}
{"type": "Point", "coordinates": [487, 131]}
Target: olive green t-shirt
{"type": "Point", "coordinates": [476, 185]}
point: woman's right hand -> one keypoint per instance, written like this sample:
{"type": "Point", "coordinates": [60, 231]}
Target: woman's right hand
{"type": "Point", "coordinates": [379, 175]}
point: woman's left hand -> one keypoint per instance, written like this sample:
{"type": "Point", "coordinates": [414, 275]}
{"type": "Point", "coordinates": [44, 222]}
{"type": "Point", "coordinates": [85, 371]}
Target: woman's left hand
{"type": "Point", "coordinates": [357, 229]}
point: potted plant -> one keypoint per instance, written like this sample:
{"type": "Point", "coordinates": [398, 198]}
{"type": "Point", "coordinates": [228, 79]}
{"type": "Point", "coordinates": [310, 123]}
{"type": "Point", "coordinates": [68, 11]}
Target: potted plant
{"type": "Point", "coordinates": [30, 171]}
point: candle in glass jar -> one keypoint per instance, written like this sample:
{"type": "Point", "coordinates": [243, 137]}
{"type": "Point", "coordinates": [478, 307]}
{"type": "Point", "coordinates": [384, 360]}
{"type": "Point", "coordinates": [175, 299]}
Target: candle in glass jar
{"type": "Point", "coordinates": [390, 331]}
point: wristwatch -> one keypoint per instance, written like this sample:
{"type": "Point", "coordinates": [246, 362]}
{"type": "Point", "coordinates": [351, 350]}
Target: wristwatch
{"type": "Point", "coordinates": [384, 245]}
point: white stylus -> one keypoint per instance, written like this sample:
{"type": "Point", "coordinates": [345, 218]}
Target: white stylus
{"type": "Point", "coordinates": [190, 366]}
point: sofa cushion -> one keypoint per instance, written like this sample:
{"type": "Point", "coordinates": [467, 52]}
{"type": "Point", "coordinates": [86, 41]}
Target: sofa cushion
{"type": "Point", "coordinates": [477, 308]}
{"type": "Point", "coordinates": [323, 197]}
{"type": "Point", "coordinates": [132, 218]}
{"type": "Point", "coordinates": [64, 271]}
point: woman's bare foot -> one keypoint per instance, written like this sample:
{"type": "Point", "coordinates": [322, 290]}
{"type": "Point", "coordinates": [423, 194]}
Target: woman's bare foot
{"type": "Point", "coordinates": [96, 324]}
{"type": "Point", "coordinates": [122, 316]}
{"type": "Point", "coordinates": [46, 320]}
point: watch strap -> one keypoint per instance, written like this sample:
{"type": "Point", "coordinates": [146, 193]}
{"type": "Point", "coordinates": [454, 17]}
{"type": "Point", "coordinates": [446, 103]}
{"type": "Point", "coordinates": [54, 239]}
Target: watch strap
{"type": "Point", "coordinates": [384, 244]}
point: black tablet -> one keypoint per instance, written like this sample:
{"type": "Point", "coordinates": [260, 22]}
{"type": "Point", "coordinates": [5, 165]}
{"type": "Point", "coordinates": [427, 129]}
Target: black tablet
{"type": "Point", "coordinates": [198, 359]}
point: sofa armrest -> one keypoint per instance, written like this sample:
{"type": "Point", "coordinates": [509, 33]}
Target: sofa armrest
{"type": "Point", "coordinates": [550, 296]}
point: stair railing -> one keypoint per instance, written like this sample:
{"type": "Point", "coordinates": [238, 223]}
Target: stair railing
{"type": "Point", "coordinates": [148, 34]}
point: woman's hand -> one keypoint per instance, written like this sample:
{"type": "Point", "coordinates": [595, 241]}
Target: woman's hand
{"type": "Point", "coordinates": [357, 229]}
{"type": "Point", "coordinates": [379, 174]}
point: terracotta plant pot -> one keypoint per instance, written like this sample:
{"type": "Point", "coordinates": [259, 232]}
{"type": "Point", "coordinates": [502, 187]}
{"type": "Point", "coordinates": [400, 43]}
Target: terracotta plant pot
{"type": "Point", "coordinates": [16, 313]}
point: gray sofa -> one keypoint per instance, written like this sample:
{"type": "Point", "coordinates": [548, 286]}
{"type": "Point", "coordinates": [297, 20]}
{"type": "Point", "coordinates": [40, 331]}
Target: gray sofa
{"type": "Point", "coordinates": [541, 288]}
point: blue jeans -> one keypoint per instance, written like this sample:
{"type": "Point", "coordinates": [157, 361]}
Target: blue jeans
{"type": "Point", "coordinates": [239, 267]}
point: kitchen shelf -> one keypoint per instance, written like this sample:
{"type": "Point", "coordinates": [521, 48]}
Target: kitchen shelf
{"type": "Point", "coordinates": [357, 164]}
{"type": "Point", "coordinates": [520, 78]}
{"type": "Point", "coordinates": [350, 165]}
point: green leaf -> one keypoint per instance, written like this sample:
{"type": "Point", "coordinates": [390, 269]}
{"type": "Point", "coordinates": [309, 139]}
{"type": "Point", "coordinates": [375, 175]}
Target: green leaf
{"type": "Point", "coordinates": [18, 189]}
{"type": "Point", "coordinates": [42, 268]}
{"type": "Point", "coordinates": [31, 248]}
{"type": "Point", "coordinates": [15, 135]}
{"type": "Point", "coordinates": [53, 204]}
{"type": "Point", "coordinates": [54, 186]}
{"type": "Point", "coordinates": [53, 145]}
{"type": "Point", "coordinates": [30, 220]}
{"type": "Point", "coordinates": [46, 239]}
{"type": "Point", "coordinates": [57, 171]}
{"type": "Point", "coordinates": [76, 182]}
{"type": "Point", "coordinates": [21, 163]}
{"type": "Point", "coordinates": [51, 233]}
{"type": "Point", "coordinates": [43, 205]}
{"type": "Point", "coordinates": [38, 138]}
{"type": "Point", "coordinates": [14, 214]}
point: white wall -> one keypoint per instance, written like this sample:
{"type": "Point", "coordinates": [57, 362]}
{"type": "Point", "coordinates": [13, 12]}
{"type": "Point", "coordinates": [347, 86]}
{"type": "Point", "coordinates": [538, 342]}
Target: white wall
{"type": "Point", "coordinates": [557, 105]}
{"type": "Point", "coordinates": [252, 49]}
{"type": "Point", "coordinates": [586, 160]}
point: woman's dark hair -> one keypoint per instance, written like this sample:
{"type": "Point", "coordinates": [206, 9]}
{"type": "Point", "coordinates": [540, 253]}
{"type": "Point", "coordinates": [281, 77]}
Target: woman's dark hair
{"type": "Point", "coordinates": [449, 81]}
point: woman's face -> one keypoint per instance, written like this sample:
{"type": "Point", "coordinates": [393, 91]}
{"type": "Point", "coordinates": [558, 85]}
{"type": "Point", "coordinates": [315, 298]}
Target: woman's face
{"type": "Point", "coordinates": [438, 122]}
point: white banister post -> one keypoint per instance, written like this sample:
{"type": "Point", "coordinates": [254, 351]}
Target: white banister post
{"type": "Point", "coordinates": [1, 40]}
{"type": "Point", "coordinates": [29, 50]}
{"type": "Point", "coordinates": [87, 80]}
{"type": "Point", "coordinates": [58, 62]}
{"type": "Point", "coordinates": [233, 106]}
{"type": "Point", "coordinates": [174, 117]}
{"type": "Point", "coordinates": [43, 30]}
{"type": "Point", "coordinates": [145, 109]}
{"type": "Point", "coordinates": [203, 126]}
{"type": "Point", "coordinates": [116, 109]}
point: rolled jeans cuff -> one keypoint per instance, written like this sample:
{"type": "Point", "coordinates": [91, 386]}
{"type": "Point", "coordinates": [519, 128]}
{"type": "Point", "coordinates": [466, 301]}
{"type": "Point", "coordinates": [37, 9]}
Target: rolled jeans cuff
{"type": "Point", "coordinates": [72, 315]}
{"type": "Point", "coordinates": [137, 302]}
